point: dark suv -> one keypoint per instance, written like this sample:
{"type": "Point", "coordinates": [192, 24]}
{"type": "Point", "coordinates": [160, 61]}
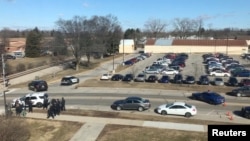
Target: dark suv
{"type": "Point", "coordinates": [204, 80]}
{"type": "Point", "coordinates": [38, 85]}
{"type": "Point", "coordinates": [232, 81]}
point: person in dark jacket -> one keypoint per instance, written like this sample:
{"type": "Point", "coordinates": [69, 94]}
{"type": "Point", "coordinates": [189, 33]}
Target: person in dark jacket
{"type": "Point", "coordinates": [51, 112]}
{"type": "Point", "coordinates": [45, 103]}
{"type": "Point", "coordinates": [63, 104]}
{"type": "Point", "coordinates": [30, 106]}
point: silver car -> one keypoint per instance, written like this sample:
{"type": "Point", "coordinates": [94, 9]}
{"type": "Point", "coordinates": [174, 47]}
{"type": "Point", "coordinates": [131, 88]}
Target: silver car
{"type": "Point", "coordinates": [140, 77]}
{"type": "Point", "coordinates": [218, 81]}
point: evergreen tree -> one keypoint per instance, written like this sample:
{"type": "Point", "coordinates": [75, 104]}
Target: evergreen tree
{"type": "Point", "coordinates": [33, 43]}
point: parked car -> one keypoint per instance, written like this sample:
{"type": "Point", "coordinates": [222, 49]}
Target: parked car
{"type": "Point", "coordinates": [245, 111]}
{"type": "Point", "coordinates": [241, 91]}
{"type": "Point", "coordinates": [178, 79]}
{"type": "Point", "coordinates": [189, 80]}
{"type": "Point", "coordinates": [128, 77]}
{"type": "Point", "coordinates": [36, 98]}
{"type": "Point", "coordinates": [38, 85]}
{"type": "Point", "coordinates": [9, 56]}
{"type": "Point", "coordinates": [203, 80]}
{"type": "Point", "coordinates": [218, 81]}
{"type": "Point", "coordinates": [232, 81]}
{"type": "Point", "coordinates": [106, 76]}
{"type": "Point", "coordinates": [117, 77]}
{"type": "Point", "coordinates": [152, 71]}
{"type": "Point", "coordinates": [128, 63]}
{"type": "Point", "coordinates": [169, 71]}
{"type": "Point", "coordinates": [140, 77]}
{"type": "Point", "coordinates": [132, 103]}
{"type": "Point", "coordinates": [177, 108]}
{"type": "Point", "coordinates": [69, 80]}
{"type": "Point", "coordinates": [220, 73]}
{"type": "Point", "coordinates": [209, 97]}
{"type": "Point", "coordinates": [241, 73]}
{"type": "Point", "coordinates": [152, 78]}
{"type": "Point", "coordinates": [164, 79]}
{"type": "Point", "coordinates": [244, 82]}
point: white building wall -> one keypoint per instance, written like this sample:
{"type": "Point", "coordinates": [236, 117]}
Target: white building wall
{"type": "Point", "coordinates": [196, 49]}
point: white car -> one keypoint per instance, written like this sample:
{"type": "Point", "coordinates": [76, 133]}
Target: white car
{"type": "Point", "coordinates": [177, 108]}
{"type": "Point", "coordinates": [220, 73]}
{"type": "Point", "coordinates": [169, 71]}
{"type": "Point", "coordinates": [36, 98]}
{"type": "Point", "coordinates": [106, 76]}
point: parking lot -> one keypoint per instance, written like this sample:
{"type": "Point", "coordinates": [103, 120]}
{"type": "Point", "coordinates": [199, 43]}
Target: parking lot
{"type": "Point", "coordinates": [194, 66]}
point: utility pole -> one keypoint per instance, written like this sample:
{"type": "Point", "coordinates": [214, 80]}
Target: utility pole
{"type": "Point", "coordinates": [4, 85]}
{"type": "Point", "coordinates": [123, 50]}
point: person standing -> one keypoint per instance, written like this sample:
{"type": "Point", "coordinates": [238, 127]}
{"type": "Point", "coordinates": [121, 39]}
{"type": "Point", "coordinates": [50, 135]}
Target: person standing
{"type": "Point", "coordinates": [30, 106]}
{"type": "Point", "coordinates": [45, 103]}
{"type": "Point", "coordinates": [63, 104]}
{"type": "Point", "coordinates": [51, 112]}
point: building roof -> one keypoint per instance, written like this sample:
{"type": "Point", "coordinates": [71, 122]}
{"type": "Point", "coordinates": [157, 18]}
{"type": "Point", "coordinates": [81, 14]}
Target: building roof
{"type": "Point", "coordinates": [203, 42]}
{"type": "Point", "coordinates": [150, 41]}
{"type": "Point", "coordinates": [163, 42]}
{"type": "Point", "coordinates": [127, 42]}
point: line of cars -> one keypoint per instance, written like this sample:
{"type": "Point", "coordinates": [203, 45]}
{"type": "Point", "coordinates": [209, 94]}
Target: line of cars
{"type": "Point", "coordinates": [42, 85]}
{"type": "Point", "coordinates": [178, 108]}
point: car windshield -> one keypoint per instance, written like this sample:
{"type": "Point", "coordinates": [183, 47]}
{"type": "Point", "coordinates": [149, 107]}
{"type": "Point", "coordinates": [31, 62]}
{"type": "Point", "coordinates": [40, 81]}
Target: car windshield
{"type": "Point", "coordinates": [187, 105]}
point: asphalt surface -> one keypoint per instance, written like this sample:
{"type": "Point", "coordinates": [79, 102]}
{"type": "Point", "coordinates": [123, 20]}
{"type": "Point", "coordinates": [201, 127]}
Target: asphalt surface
{"type": "Point", "coordinates": [93, 126]}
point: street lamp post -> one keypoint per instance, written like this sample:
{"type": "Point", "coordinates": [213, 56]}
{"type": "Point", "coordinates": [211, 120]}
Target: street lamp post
{"type": "Point", "coordinates": [227, 45]}
{"type": "Point", "coordinates": [113, 57]}
{"type": "Point", "coordinates": [4, 85]}
{"type": "Point", "coordinates": [123, 50]}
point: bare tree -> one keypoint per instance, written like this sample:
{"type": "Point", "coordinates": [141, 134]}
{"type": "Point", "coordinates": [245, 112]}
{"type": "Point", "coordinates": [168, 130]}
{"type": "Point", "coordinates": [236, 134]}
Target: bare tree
{"type": "Point", "coordinates": [155, 26]}
{"type": "Point", "coordinates": [73, 31]}
{"type": "Point", "coordinates": [87, 36]}
{"type": "Point", "coordinates": [184, 27]}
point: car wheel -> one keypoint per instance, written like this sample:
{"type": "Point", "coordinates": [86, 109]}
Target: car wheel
{"type": "Point", "coordinates": [225, 75]}
{"type": "Point", "coordinates": [118, 108]}
{"type": "Point", "coordinates": [188, 115]}
{"type": "Point", "coordinates": [39, 105]}
{"type": "Point", "coordinates": [140, 109]}
{"type": "Point", "coordinates": [239, 95]}
{"type": "Point", "coordinates": [164, 112]}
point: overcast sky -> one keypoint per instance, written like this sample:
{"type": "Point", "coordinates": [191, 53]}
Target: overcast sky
{"type": "Point", "coordinates": [26, 14]}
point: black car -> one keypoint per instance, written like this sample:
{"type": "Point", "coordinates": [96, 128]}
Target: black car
{"type": "Point", "coordinates": [117, 77]}
{"type": "Point", "coordinates": [232, 81]}
{"type": "Point", "coordinates": [69, 80]}
{"type": "Point", "coordinates": [38, 85]}
{"type": "Point", "coordinates": [128, 77]}
{"type": "Point", "coordinates": [131, 103]}
{"type": "Point", "coordinates": [8, 56]}
{"type": "Point", "coordinates": [241, 91]}
{"type": "Point", "coordinates": [189, 80]}
{"type": "Point", "coordinates": [152, 78]}
{"type": "Point", "coordinates": [245, 112]}
{"type": "Point", "coordinates": [178, 78]}
{"type": "Point", "coordinates": [204, 80]}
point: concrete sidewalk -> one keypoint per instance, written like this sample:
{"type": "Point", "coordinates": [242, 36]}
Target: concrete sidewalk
{"type": "Point", "coordinates": [93, 126]}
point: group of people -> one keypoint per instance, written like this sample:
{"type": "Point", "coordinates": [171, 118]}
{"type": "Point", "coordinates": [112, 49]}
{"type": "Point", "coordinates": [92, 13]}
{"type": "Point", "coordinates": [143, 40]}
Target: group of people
{"type": "Point", "coordinates": [21, 107]}
{"type": "Point", "coordinates": [55, 107]}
